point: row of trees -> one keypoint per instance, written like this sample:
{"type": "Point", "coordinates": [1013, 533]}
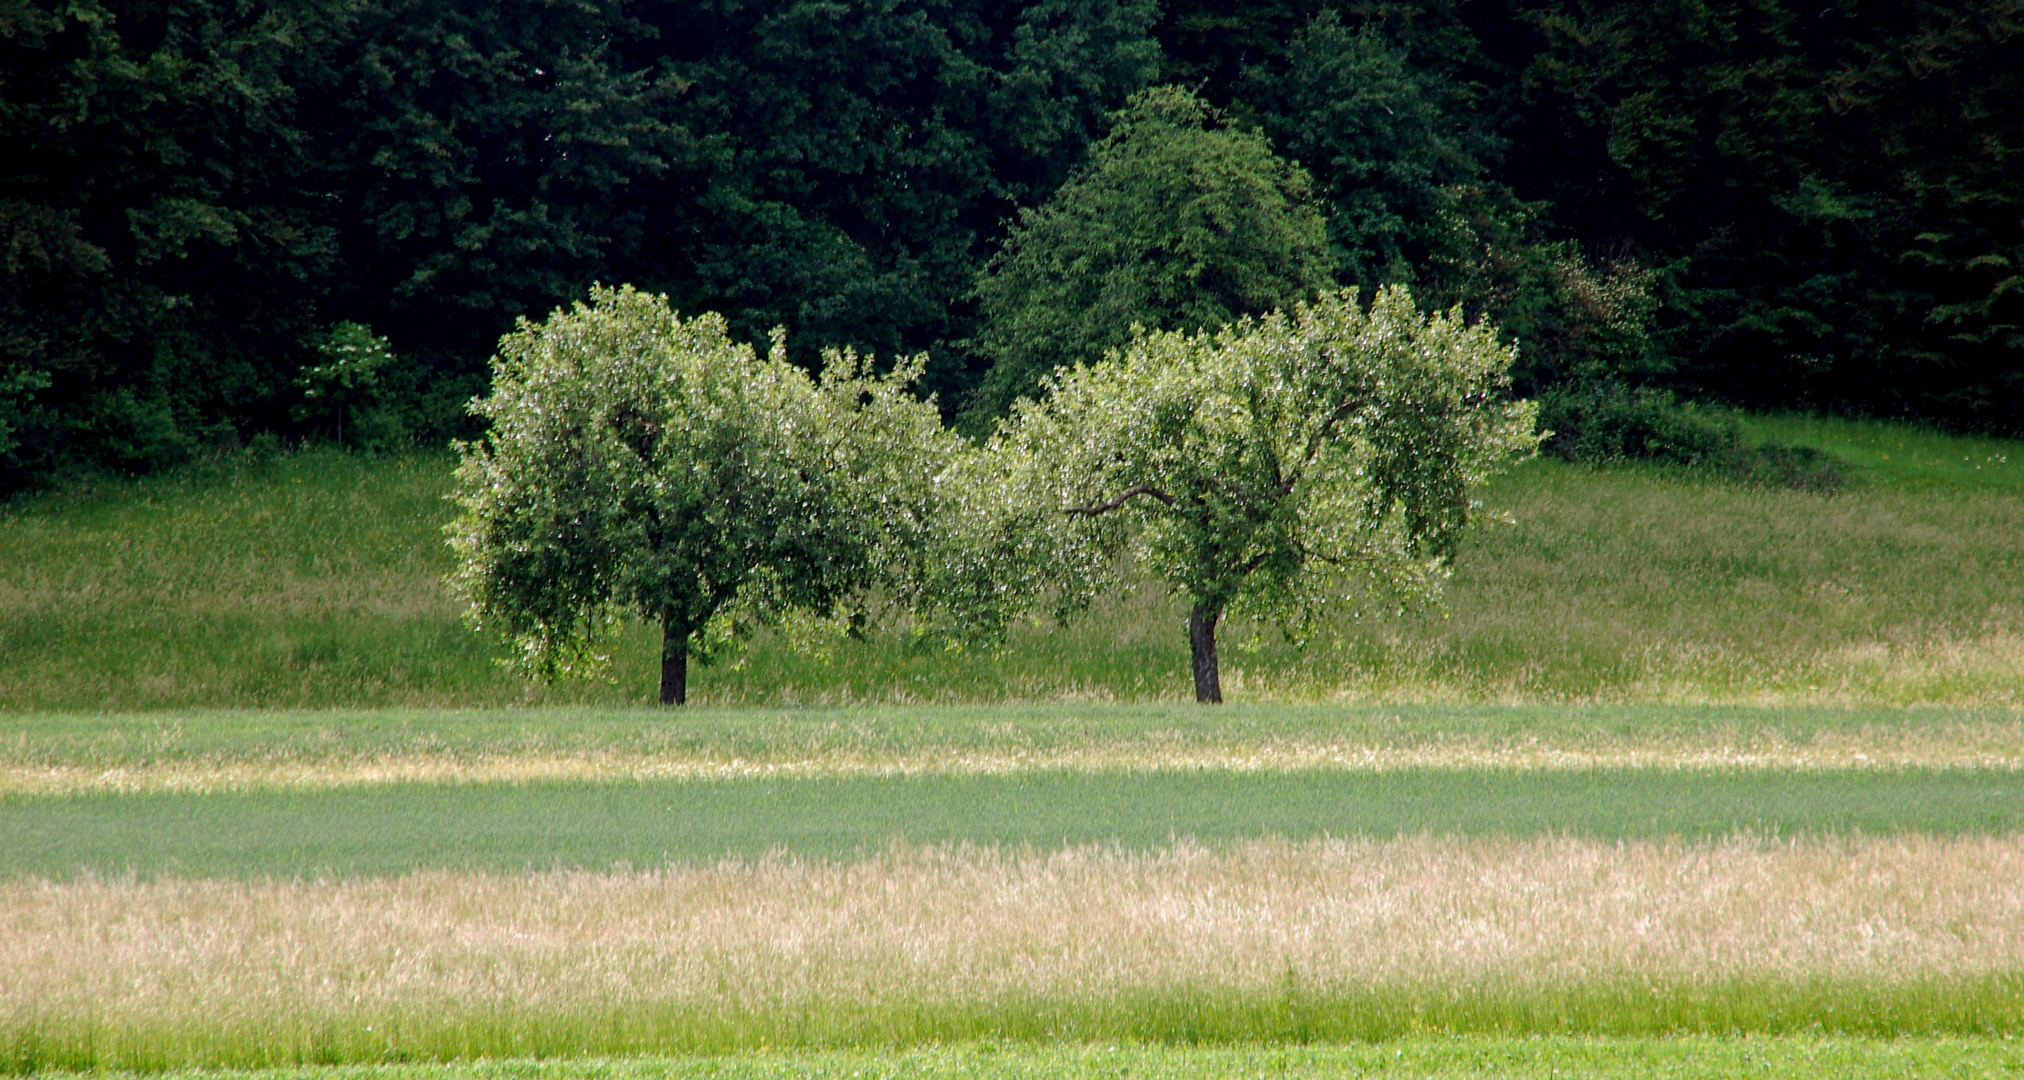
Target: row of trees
{"type": "Point", "coordinates": [1755, 200]}
{"type": "Point", "coordinates": [642, 465]}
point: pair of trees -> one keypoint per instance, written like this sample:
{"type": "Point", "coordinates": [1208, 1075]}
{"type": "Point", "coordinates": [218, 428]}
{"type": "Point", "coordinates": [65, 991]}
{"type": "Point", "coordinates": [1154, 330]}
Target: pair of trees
{"type": "Point", "coordinates": [639, 464]}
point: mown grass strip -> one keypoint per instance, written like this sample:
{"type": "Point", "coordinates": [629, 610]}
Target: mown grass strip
{"type": "Point", "coordinates": [395, 829]}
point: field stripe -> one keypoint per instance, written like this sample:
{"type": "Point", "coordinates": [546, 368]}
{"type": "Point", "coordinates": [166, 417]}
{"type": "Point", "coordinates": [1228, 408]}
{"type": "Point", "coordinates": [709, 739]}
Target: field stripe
{"type": "Point", "coordinates": [1271, 940]}
{"type": "Point", "coordinates": [396, 829]}
{"type": "Point", "coordinates": [245, 751]}
{"type": "Point", "coordinates": [1444, 1058]}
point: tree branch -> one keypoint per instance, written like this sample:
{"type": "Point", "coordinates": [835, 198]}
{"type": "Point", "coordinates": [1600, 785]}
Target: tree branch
{"type": "Point", "coordinates": [1124, 497]}
{"type": "Point", "coordinates": [1253, 563]}
{"type": "Point", "coordinates": [1314, 442]}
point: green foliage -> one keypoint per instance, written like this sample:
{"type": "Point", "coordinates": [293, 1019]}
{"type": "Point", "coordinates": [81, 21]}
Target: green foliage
{"type": "Point", "coordinates": [1381, 136]}
{"type": "Point", "coordinates": [1825, 203]}
{"type": "Point", "coordinates": [190, 194]}
{"type": "Point", "coordinates": [1838, 189]}
{"type": "Point", "coordinates": [347, 383]}
{"type": "Point", "coordinates": [1275, 467]}
{"type": "Point", "coordinates": [154, 223]}
{"type": "Point", "coordinates": [1610, 422]}
{"type": "Point", "coordinates": [1180, 221]}
{"type": "Point", "coordinates": [193, 191]}
{"type": "Point", "coordinates": [639, 464]}
{"type": "Point", "coordinates": [856, 162]}
{"type": "Point", "coordinates": [1607, 423]}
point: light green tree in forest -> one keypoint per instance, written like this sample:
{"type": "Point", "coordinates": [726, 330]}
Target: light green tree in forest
{"type": "Point", "coordinates": [1284, 467]}
{"type": "Point", "coordinates": [1180, 221]}
{"type": "Point", "coordinates": [641, 465]}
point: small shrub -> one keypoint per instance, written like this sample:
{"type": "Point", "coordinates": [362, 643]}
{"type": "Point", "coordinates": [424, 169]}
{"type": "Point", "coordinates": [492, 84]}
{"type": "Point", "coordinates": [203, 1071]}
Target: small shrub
{"type": "Point", "coordinates": [1603, 423]}
{"type": "Point", "coordinates": [1778, 465]}
{"type": "Point", "coordinates": [347, 389]}
{"type": "Point", "coordinates": [1609, 422]}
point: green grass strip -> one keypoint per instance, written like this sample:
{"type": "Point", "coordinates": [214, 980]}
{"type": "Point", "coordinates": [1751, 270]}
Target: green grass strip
{"type": "Point", "coordinates": [1419, 1059]}
{"type": "Point", "coordinates": [1690, 1058]}
{"type": "Point", "coordinates": [395, 829]}
{"type": "Point", "coordinates": [1630, 1029]}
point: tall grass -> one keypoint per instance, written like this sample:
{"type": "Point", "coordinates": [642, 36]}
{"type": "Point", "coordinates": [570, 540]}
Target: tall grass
{"type": "Point", "coordinates": [1440, 1058]}
{"type": "Point", "coordinates": [313, 580]}
{"type": "Point", "coordinates": [1326, 940]}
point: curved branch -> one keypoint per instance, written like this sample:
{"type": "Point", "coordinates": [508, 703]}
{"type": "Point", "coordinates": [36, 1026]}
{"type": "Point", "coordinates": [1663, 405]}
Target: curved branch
{"type": "Point", "coordinates": [1126, 496]}
{"type": "Point", "coordinates": [1314, 441]}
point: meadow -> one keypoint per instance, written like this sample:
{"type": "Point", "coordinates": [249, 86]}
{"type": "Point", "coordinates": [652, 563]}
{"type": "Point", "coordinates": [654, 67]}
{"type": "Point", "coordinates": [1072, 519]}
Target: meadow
{"type": "Point", "coordinates": [1688, 778]}
{"type": "Point", "coordinates": [313, 580]}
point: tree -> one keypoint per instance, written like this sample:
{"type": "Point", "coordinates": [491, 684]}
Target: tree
{"type": "Point", "coordinates": [1833, 190]}
{"type": "Point", "coordinates": [1280, 466]}
{"type": "Point", "coordinates": [862, 158]}
{"type": "Point", "coordinates": [641, 464]}
{"type": "Point", "coordinates": [1380, 136]}
{"type": "Point", "coordinates": [1180, 222]}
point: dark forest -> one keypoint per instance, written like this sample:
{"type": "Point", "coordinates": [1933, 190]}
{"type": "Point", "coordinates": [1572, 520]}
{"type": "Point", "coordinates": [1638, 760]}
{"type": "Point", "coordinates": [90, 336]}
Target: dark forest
{"type": "Point", "coordinates": [1757, 204]}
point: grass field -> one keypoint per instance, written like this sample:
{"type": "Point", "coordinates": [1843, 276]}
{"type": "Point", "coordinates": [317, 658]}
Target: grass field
{"type": "Point", "coordinates": [1267, 941]}
{"type": "Point", "coordinates": [312, 580]}
{"type": "Point", "coordinates": [1407, 1059]}
{"type": "Point", "coordinates": [508, 827]}
{"type": "Point", "coordinates": [1690, 779]}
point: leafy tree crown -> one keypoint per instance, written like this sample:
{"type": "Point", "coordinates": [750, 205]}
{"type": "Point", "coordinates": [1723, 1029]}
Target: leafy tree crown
{"type": "Point", "coordinates": [1281, 465]}
{"type": "Point", "coordinates": [1180, 221]}
{"type": "Point", "coordinates": [641, 464]}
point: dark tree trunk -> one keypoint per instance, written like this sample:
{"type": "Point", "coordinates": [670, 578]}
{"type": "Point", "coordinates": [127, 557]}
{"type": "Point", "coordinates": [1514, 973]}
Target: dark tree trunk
{"type": "Point", "coordinates": [1202, 641]}
{"type": "Point", "coordinates": [674, 665]}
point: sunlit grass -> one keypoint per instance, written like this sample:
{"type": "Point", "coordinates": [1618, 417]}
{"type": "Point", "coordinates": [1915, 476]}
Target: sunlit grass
{"type": "Point", "coordinates": [1901, 454]}
{"type": "Point", "coordinates": [1444, 1058]}
{"type": "Point", "coordinates": [1328, 940]}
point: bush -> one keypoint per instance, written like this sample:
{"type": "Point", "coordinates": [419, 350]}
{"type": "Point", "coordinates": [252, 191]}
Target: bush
{"type": "Point", "coordinates": [1609, 422]}
{"type": "Point", "coordinates": [1604, 423]}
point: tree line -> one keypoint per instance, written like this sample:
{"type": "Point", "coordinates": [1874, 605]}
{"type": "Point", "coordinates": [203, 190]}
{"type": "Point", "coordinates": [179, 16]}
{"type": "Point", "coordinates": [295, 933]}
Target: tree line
{"type": "Point", "coordinates": [317, 217]}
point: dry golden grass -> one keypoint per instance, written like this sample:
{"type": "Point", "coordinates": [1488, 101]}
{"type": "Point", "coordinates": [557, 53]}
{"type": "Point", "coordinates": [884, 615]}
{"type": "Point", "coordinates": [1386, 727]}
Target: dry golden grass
{"type": "Point", "coordinates": [1974, 744]}
{"type": "Point", "coordinates": [208, 963]}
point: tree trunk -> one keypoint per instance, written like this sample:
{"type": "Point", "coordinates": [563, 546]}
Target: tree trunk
{"type": "Point", "coordinates": [674, 664]}
{"type": "Point", "coordinates": [1202, 641]}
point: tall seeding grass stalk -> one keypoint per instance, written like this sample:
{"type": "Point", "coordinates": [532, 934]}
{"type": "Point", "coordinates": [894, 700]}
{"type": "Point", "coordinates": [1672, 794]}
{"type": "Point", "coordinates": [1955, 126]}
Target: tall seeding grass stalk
{"type": "Point", "coordinates": [1323, 940]}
